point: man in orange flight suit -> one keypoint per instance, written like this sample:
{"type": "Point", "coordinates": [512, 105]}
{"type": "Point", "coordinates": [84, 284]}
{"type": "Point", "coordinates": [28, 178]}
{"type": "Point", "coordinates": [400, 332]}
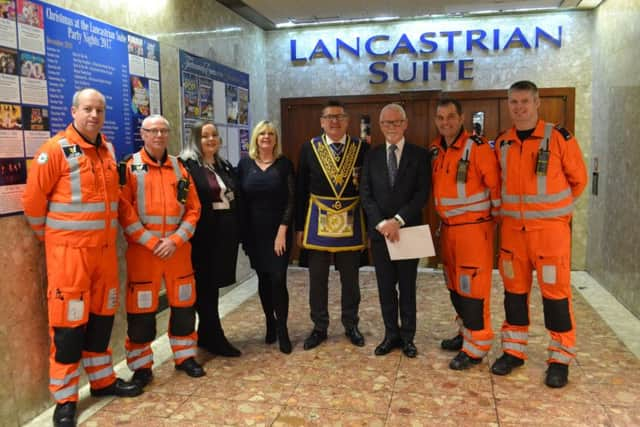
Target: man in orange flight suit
{"type": "Point", "coordinates": [465, 188]}
{"type": "Point", "coordinates": [543, 172]}
{"type": "Point", "coordinates": [71, 203]}
{"type": "Point", "coordinates": [159, 209]}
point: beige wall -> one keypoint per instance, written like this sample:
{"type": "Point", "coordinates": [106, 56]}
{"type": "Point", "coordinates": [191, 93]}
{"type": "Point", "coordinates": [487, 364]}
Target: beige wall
{"type": "Point", "coordinates": [614, 241]}
{"type": "Point", "coordinates": [23, 322]}
{"type": "Point", "coordinates": [548, 66]}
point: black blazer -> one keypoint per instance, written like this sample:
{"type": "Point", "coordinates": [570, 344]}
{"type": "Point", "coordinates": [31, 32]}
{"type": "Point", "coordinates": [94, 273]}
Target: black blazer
{"type": "Point", "coordinates": [409, 193]}
{"type": "Point", "coordinates": [199, 174]}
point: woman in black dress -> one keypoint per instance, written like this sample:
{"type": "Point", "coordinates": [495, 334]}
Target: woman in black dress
{"type": "Point", "coordinates": [215, 241]}
{"type": "Point", "coordinates": [266, 184]}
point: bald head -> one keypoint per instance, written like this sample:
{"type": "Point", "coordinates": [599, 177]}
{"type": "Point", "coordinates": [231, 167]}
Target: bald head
{"type": "Point", "coordinates": [88, 112]}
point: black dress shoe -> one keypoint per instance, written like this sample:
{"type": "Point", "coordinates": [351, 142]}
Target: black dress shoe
{"type": "Point", "coordinates": [222, 347]}
{"type": "Point", "coordinates": [557, 375]}
{"type": "Point", "coordinates": [505, 364]}
{"type": "Point", "coordinates": [463, 361]}
{"type": "Point", "coordinates": [65, 415]}
{"type": "Point", "coordinates": [314, 339]}
{"type": "Point", "coordinates": [191, 367]}
{"type": "Point", "coordinates": [119, 388]}
{"type": "Point", "coordinates": [283, 341]}
{"type": "Point", "coordinates": [452, 344]}
{"type": "Point", "coordinates": [142, 377]}
{"type": "Point", "coordinates": [272, 332]}
{"type": "Point", "coordinates": [355, 336]}
{"type": "Point", "coordinates": [387, 345]}
{"type": "Point", "coordinates": [409, 349]}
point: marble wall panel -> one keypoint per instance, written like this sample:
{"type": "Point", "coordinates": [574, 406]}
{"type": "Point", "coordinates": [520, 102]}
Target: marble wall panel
{"type": "Point", "coordinates": [613, 243]}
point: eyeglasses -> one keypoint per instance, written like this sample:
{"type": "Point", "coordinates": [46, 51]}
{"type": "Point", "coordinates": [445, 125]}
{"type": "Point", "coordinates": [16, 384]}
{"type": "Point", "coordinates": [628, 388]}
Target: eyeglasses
{"type": "Point", "coordinates": [338, 117]}
{"type": "Point", "coordinates": [157, 131]}
{"type": "Point", "coordinates": [394, 123]}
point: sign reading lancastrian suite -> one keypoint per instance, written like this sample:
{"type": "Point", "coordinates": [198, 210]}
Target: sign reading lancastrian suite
{"type": "Point", "coordinates": [46, 54]}
{"type": "Point", "coordinates": [431, 52]}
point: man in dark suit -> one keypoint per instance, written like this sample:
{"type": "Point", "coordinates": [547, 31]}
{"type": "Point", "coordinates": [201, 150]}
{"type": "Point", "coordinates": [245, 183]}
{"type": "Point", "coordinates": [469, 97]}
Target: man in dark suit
{"type": "Point", "coordinates": [329, 220]}
{"type": "Point", "coordinates": [394, 187]}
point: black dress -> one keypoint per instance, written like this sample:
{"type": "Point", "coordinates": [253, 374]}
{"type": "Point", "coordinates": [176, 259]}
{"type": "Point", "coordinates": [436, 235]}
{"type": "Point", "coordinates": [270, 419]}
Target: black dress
{"type": "Point", "coordinates": [214, 252]}
{"type": "Point", "coordinates": [266, 203]}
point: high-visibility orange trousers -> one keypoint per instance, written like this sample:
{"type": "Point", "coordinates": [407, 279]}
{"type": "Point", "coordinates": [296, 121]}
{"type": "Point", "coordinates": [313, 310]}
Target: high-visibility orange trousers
{"type": "Point", "coordinates": [145, 272]}
{"type": "Point", "coordinates": [82, 297]}
{"type": "Point", "coordinates": [548, 252]}
{"type": "Point", "coordinates": [467, 257]}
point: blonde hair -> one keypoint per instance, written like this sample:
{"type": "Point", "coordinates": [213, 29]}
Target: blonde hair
{"type": "Point", "coordinates": [257, 130]}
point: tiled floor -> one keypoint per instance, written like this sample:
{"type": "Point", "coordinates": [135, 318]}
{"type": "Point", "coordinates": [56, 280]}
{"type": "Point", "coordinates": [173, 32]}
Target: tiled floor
{"type": "Point", "coordinates": [342, 385]}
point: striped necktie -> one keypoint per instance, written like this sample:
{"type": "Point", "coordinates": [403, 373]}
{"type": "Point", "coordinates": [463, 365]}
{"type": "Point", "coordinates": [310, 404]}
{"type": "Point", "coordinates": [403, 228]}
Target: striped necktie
{"type": "Point", "coordinates": [392, 163]}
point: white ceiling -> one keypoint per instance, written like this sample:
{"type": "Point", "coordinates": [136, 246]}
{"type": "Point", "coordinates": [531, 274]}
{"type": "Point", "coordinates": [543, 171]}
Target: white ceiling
{"type": "Point", "coordinates": [310, 12]}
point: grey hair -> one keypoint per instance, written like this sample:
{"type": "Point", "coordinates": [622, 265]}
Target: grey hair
{"type": "Point", "coordinates": [394, 106]}
{"type": "Point", "coordinates": [156, 116]}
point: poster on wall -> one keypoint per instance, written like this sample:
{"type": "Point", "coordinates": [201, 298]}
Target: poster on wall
{"type": "Point", "coordinates": [46, 54]}
{"type": "Point", "coordinates": [214, 92]}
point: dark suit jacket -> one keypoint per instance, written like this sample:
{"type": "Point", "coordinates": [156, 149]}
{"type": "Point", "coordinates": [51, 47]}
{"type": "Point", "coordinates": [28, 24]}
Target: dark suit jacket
{"type": "Point", "coordinates": [409, 193]}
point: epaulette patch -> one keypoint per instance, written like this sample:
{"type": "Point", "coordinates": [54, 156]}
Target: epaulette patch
{"type": "Point", "coordinates": [505, 142]}
{"type": "Point", "coordinates": [564, 132]}
{"type": "Point", "coordinates": [72, 151]}
{"type": "Point", "coordinates": [477, 139]}
{"type": "Point", "coordinates": [139, 167]}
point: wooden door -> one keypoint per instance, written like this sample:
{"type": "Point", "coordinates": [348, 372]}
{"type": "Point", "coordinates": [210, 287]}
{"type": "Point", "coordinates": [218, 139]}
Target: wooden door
{"type": "Point", "coordinates": [301, 119]}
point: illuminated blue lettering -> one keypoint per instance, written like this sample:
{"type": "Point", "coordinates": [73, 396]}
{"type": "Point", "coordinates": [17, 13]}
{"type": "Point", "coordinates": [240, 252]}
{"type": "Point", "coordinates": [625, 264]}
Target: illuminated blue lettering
{"type": "Point", "coordinates": [462, 69]}
{"type": "Point", "coordinates": [294, 56]}
{"type": "Point", "coordinates": [373, 39]}
{"type": "Point", "coordinates": [450, 35]}
{"type": "Point", "coordinates": [404, 44]}
{"type": "Point", "coordinates": [320, 50]}
{"type": "Point", "coordinates": [540, 33]}
{"type": "Point", "coordinates": [396, 73]}
{"type": "Point", "coordinates": [432, 45]}
{"type": "Point", "coordinates": [517, 37]}
{"type": "Point", "coordinates": [471, 40]}
{"type": "Point", "coordinates": [342, 45]}
{"type": "Point", "coordinates": [443, 68]}
{"type": "Point", "coordinates": [496, 39]}
{"type": "Point", "coordinates": [381, 73]}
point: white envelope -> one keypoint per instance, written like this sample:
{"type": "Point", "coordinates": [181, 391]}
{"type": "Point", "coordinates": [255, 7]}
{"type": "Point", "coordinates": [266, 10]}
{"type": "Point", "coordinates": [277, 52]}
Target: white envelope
{"type": "Point", "coordinates": [414, 242]}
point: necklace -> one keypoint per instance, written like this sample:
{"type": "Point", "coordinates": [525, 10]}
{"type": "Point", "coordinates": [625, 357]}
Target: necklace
{"type": "Point", "coordinates": [264, 162]}
{"type": "Point", "coordinates": [210, 166]}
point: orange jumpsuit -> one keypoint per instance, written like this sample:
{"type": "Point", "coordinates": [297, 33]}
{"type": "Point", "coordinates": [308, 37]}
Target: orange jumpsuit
{"type": "Point", "coordinates": [535, 214]}
{"type": "Point", "coordinates": [465, 204]}
{"type": "Point", "coordinates": [150, 210]}
{"type": "Point", "coordinates": [71, 203]}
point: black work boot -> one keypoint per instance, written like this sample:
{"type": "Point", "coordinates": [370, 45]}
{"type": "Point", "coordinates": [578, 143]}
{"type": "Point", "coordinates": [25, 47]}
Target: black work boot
{"type": "Point", "coordinates": [557, 375]}
{"type": "Point", "coordinates": [452, 344]}
{"type": "Point", "coordinates": [505, 364]}
{"type": "Point", "coordinates": [65, 415]}
{"type": "Point", "coordinates": [463, 361]}
{"type": "Point", "coordinates": [142, 377]}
